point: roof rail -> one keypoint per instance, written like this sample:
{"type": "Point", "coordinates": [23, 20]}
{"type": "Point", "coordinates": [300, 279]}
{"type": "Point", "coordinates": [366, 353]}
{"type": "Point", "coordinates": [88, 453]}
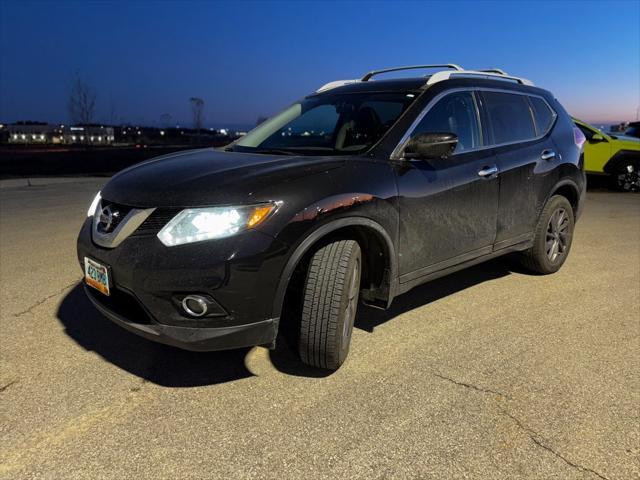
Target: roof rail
{"type": "Point", "coordinates": [454, 71]}
{"type": "Point", "coordinates": [494, 70]}
{"type": "Point", "coordinates": [446, 75]}
{"type": "Point", "coordinates": [335, 84]}
{"type": "Point", "coordinates": [369, 75]}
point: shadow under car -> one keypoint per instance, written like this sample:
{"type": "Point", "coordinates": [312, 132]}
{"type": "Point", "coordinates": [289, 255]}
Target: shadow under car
{"type": "Point", "coordinates": [172, 367]}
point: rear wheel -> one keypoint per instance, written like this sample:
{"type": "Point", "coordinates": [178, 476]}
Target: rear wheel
{"type": "Point", "coordinates": [626, 178]}
{"type": "Point", "coordinates": [553, 236]}
{"type": "Point", "coordinates": [330, 301]}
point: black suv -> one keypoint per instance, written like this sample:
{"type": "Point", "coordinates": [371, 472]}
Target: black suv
{"type": "Point", "coordinates": [359, 191]}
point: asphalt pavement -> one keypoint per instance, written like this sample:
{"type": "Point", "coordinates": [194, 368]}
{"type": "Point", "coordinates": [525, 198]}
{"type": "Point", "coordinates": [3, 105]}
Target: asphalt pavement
{"type": "Point", "coordinates": [487, 373]}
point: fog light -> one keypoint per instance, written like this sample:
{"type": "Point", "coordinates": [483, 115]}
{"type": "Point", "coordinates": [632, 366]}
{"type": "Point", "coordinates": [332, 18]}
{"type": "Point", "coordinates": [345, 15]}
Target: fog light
{"type": "Point", "coordinates": [195, 305]}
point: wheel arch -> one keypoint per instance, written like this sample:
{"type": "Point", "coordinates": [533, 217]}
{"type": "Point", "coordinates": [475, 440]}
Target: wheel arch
{"type": "Point", "coordinates": [376, 244]}
{"type": "Point", "coordinates": [568, 189]}
{"type": "Point", "coordinates": [618, 158]}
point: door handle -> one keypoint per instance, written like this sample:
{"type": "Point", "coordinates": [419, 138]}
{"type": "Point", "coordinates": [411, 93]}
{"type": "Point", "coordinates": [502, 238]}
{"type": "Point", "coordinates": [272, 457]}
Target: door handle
{"type": "Point", "coordinates": [548, 155]}
{"type": "Point", "coordinates": [488, 171]}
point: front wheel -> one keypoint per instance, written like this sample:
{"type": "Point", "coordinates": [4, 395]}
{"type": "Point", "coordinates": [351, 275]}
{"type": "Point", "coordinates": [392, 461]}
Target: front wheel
{"type": "Point", "coordinates": [330, 301]}
{"type": "Point", "coordinates": [552, 239]}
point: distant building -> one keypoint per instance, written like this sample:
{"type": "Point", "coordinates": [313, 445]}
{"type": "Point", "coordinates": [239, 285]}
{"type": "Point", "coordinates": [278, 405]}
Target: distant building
{"type": "Point", "coordinates": [93, 135]}
{"type": "Point", "coordinates": [619, 128]}
{"type": "Point", "coordinates": [44, 133]}
{"type": "Point", "coordinates": [28, 132]}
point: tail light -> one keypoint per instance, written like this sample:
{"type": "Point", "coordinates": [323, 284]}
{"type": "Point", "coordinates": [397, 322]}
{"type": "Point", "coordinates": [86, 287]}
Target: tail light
{"type": "Point", "coordinates": [578, 137]}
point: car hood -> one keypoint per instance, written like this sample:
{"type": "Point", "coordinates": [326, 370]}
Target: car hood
{"type": "Point", "coordinates": [209, 177]}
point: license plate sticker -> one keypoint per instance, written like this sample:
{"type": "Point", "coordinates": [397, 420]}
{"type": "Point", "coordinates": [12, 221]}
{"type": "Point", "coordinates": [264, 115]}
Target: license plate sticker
{"type": "Point", "coordinates": [96, 275]}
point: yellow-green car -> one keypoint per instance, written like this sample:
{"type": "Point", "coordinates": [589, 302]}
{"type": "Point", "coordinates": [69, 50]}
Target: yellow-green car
{"type": "Point", "coordinates": [616, 156]}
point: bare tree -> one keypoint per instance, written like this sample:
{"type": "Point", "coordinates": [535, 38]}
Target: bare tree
{"type": "Point", "coordinates": [197, 107]}
{"type": "Point", "coordinates": [82, 102]}
{"type": "Point", "coordinates": [165, 120]}
{"type": "Point", "coordinates": [113, 116]}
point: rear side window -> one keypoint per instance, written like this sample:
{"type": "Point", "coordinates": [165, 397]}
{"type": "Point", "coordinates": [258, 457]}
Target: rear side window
{"type": "Point", "coordinates": [510, 117]}
{"type": "Point", "coordinates": [543, 114]}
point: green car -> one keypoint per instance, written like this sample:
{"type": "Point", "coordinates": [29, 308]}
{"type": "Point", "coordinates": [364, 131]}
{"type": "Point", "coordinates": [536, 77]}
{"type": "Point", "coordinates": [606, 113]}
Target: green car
{"type": "Point", "coordinates": [616, 156]}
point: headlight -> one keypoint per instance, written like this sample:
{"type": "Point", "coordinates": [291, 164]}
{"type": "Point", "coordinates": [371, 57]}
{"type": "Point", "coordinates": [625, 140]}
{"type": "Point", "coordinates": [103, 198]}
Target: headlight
{"type": "Point", "coordinates": [198, 224]}
{"type": "Point", "coordinates": [94, 205]}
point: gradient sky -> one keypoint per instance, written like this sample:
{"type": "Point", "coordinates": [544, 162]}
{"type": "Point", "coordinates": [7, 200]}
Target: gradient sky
{"type": "Point", "coordinates": [248, 59]}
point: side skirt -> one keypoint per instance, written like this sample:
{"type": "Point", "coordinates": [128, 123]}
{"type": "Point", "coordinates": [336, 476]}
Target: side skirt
{"type": "Point", "coordinates": [403, 287]}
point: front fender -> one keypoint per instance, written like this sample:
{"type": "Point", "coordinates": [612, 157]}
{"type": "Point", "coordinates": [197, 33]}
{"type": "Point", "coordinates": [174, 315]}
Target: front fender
{"type": "Point", "coordinates": [322, 230]}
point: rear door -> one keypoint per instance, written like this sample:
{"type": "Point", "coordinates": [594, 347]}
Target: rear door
{"type": "Point", "coordinates": [525, 153]}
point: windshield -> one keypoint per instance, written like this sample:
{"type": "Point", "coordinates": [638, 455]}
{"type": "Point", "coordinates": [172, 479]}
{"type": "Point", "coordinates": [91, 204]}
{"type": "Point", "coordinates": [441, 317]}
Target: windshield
{"type": "Point", "coordinates": [328, 124]}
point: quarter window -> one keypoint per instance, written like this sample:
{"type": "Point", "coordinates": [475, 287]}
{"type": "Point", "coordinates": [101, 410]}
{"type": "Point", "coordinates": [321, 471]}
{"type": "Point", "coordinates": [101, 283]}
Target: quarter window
{"type": "Point", "coordinates": [509, 116]}
{"type": "Point", "coordinates": [543, 114]}
{"type": "Point", "coordinates": [456, 113]}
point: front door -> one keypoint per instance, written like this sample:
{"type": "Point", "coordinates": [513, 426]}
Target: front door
{"type": "Point", "coordinates": [448, 207]}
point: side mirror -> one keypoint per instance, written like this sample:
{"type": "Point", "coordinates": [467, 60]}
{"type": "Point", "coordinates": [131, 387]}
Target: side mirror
{"type": "Point", "coordinates": [431, 145]}
{"type": "Point", "coordinates": [597, 138]}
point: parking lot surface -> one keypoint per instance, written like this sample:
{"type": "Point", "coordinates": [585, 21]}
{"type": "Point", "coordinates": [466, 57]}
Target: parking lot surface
{"type": "Point", "coordinates": [487, 373]}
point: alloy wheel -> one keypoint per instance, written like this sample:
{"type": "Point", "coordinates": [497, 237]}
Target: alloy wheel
{"type": "Point", "coordinates": [557, 235]}
{"type": "Point", "coordinates": [629, 179]}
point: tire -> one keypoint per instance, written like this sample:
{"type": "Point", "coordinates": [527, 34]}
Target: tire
{"type": "Point", "coordinates": [330, 301]}
{"type": "Point", "coordinates": [626, 177]}
{"type": "Point", "coordinates": [552, 238]}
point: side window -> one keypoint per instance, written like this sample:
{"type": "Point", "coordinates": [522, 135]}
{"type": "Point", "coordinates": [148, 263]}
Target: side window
{"type": "Point", "coordinates": [543, 114]}
{"type": "Point", "coordinates": [510, 117]}
{"type": "Point", "coordinates": [586, 131]}
{"type": "Point", "coordinates": [455, 113]}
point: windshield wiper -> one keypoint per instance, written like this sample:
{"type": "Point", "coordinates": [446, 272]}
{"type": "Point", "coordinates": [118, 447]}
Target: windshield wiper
{"type": "Point", "coordinates": [273, 151]}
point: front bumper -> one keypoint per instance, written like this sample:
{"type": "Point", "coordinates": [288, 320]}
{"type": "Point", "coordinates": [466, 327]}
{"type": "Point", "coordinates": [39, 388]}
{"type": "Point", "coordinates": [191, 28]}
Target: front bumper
{"type": "Point", "coordinates": [194, 338]}
{"type": "Point", "coordinates": [148, 279]}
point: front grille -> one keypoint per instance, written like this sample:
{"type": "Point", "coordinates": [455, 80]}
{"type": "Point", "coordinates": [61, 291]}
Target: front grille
{"type": "Point", "coordinates": [106, 223]}
{"type": "Point", "coordinates": [122, 303]}
{"type": "Point", "coordinates": [151, 226]}
{"type": "Point", "coordinates": [158, 219]}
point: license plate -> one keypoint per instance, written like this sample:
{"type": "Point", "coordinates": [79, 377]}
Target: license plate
{"type": "Point", "coordinates": [96, 275]}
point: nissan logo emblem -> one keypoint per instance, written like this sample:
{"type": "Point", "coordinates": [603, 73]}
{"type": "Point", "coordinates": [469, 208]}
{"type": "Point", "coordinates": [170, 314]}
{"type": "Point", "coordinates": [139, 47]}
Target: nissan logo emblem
{"type": "Point", "coordinates": [108, 218]}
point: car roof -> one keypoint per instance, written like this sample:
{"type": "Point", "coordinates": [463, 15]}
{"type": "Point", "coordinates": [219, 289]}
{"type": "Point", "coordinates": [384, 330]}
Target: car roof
{"type": "Point", "coordinates": [390, 85]}
{"type": "Point", "coordinates": [418, 84]}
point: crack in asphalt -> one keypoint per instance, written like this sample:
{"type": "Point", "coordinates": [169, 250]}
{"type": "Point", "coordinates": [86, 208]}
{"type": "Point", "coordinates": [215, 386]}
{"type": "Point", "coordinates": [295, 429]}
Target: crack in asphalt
{"type": "Point", "coordinates": [7, 385]}
{"type": "Point", "coordinates": [29, 451]}
{"type": "Point", "coordinates": [539, 441]}
{"type": "Point", "coordinates": [469, 385]}
{"type": "Point", "coordinates": [534, 436]}
{"type": "Point", "coordinates": [48, 297]}
{"type": "Point", "coordinates": [138, 387]}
